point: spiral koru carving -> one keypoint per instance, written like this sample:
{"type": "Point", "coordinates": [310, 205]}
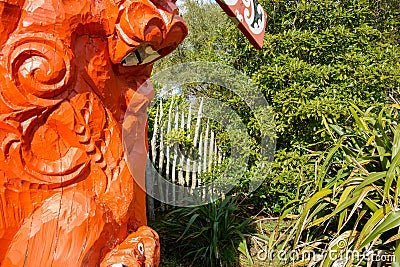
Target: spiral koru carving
{"type": "Point", "coordinates": [40, 64]}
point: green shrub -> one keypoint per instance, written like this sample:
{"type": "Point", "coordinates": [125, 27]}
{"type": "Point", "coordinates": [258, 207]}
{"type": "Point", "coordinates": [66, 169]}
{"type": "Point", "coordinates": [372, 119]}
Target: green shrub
{"type": "Point", "coordinates": [355, 205]}
{"type": "Point", "coordinates": [208, 235]}
{"type": "Point", "coordinates": [289, 169]}
{"type": "Point", "coordinates": [318, 55]}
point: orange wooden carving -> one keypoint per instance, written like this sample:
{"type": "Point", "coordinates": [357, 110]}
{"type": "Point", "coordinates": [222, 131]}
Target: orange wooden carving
{"type": "Point", "coordinates": [68, 69]}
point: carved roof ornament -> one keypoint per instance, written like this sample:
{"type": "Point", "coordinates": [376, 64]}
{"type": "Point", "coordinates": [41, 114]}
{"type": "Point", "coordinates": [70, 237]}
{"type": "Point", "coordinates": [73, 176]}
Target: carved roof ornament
{"type": "Point", "coordinates": [250, 17]}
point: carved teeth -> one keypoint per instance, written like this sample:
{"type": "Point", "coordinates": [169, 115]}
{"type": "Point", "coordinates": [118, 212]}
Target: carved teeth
{"type": "Point", "coordinates": [80, 129]}
{"type": "Point", "coordinates": [97, 157]}
{"type": "Point", "coordinates": [102, 164]}
{"type": "Point", "coordinates": [143, 55]}
{"type": "Point", "coordinates": [84, 139]}
{"type": "Point", "coordinates": [90, 148]}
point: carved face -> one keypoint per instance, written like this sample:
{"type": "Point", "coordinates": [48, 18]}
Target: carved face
{"type": "Point", "coordinates": [107, 47]}
{"type": "Point", "coordinates": [75, 57]}
{"type": "Point", "coordinates": [68, 69]}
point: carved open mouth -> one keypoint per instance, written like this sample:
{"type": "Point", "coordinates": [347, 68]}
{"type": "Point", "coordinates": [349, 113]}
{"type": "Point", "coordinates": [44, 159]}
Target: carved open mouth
{"type": "Point", "coordinates": [143, 55]}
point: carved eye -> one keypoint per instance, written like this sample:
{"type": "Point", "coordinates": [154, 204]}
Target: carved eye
{"type": "Point", "coordinates": [143, 55]}
{"type": "Point", "coordinates": [141, 248]}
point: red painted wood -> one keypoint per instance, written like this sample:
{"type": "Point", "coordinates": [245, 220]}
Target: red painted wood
{"type": "Point", "coordinates": [250, 17]}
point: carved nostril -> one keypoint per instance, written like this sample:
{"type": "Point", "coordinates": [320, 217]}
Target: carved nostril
{"type": "Point", "coordinates": [153, 35]}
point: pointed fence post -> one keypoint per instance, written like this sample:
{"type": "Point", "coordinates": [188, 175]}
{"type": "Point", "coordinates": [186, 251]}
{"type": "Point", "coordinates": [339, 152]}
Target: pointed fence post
{"type": "Point", "coordinates": [149, 171]}
{"type": "Point", "coordinates": [175, 154]}
{"type": "Point", "coordinates": [168, 156]}
{"type": "Point", "coordinates": [161, 152]}
{"type": "Point", "coordinates": [212, 151]}
{"type": "Point", "coordinates": [181, 180]}
{"type": "Point", "coordinates": [202, 158]}
{"type": "Point", "coordinates": [205, 149]}
{"type": "Point", "coordinates": [188, 160]}
{"type": "Point", "coordinates": [195, 142]}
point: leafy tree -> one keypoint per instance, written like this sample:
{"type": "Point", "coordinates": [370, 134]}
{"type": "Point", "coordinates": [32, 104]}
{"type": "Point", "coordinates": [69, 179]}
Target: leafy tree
{"type": "Point", "coordinates": [318, 56]}
{"type": "Point", "coordinates": [204, 21]}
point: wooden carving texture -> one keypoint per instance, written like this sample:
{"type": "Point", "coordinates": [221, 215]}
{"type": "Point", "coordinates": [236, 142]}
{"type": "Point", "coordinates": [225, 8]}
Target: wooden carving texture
{"type": "Point", "coordinates": [68, 69]}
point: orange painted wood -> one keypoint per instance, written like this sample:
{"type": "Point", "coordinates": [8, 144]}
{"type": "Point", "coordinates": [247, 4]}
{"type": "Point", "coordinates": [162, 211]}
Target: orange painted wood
{"type": "Point", "coordinates": [68, 70]}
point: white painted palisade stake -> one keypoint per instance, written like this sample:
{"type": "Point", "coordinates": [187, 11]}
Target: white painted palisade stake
{"type": "Point", "coordinates": [175, 156]}
{"type": "Point", "coordinates": [187, 167]}
{"type": "Point", "coordinates": [200, 158]}
{"type": "Point", "coordinates": [181, 180]}
{"type": "Point", "coordinates": [168, 156]}
{"type": "Point", "coordinates": [211, 153]}
{"type": "Point", "coordinates": [150, 171]}
{"type": "Point", "coordinates": [161, 151]}
{"type": "Point", "coordinates": [195, 144]}
{"type": "Point", "coordinates": [205, 149]}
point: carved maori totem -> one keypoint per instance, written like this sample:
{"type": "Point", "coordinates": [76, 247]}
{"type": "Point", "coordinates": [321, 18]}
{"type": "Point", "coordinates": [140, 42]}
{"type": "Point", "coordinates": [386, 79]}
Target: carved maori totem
{"type": "Point", "coordinates": [68, 69]}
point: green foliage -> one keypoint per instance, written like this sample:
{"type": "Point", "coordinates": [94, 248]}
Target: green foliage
{"type": "Point", "coordinates": [341, 163]}
{"type": "Point", "coordinates": [355, 205]}
{"type": "Point", "coordinates": [318, 56]}
{"type": "Point", "coordinates": [289, 169]}
{"type": "Point", "coordinates": [203, 42]}
{"type": "Point", "coordinates": [178, 136]}
{"type": "Point", "coordinates": [209, 235]}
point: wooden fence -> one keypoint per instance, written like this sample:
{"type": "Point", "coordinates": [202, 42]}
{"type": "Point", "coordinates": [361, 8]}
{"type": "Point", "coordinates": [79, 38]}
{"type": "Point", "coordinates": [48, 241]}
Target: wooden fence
{"type": "Point", "coordinates": [174, 160]}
